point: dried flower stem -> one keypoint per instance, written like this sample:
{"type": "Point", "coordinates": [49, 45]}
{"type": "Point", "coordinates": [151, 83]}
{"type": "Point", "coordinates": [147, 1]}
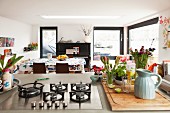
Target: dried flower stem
{"type": "Point", "coordinates": [86, 30]}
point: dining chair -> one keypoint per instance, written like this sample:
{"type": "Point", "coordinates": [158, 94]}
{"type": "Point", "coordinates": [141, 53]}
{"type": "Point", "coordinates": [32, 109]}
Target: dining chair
{"type": "Point", "coordinates": [39, 68]}
{"type": "Point", "coordinates": [62, 68]}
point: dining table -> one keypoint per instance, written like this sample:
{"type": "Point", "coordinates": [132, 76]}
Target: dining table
{"type": "Point", "coordinates": [75, 64]}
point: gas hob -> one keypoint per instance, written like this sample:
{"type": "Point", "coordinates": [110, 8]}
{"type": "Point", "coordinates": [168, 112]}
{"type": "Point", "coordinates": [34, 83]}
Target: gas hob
{"type": "Point", "coordinates": [54, 96]}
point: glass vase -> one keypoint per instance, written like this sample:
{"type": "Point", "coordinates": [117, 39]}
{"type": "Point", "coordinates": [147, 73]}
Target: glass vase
{"type": "Point", "coordinates": [126, 86]}
{"type": "Point", "coordinates": [141, 61]}
{"type": "Point", "coordinates": [109, 79]}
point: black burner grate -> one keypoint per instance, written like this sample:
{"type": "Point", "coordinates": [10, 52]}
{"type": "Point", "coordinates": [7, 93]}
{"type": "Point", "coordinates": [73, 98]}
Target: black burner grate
{"type": "Point", "coordinates": [81, 87]}
{"type": "Point", "coordinates": [80, 97]}
{"type": "Point", "coordinates": [30, 90]}
{"type": "Point", "coordinates": [58, 87]}
{"type": "Point", "coordinates": [53, 96]}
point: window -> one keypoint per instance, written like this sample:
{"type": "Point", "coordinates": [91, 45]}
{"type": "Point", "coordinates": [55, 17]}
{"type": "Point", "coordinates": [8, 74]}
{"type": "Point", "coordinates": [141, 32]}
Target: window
{"type": "Point", "coordinates": [108, 41]}
{"type": "Point", "coordinates": [48, 40]}
{"type": "Point", "coordinates": [144, 34]}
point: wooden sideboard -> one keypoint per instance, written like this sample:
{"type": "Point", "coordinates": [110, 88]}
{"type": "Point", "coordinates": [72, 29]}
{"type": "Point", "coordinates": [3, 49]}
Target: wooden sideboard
{"type": "Point", "coordinates": [84, 51]}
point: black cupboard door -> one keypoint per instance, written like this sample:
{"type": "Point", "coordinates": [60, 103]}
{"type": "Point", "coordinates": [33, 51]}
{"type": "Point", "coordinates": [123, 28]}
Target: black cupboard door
{"type": "Point", "coordinates": [84, 48]}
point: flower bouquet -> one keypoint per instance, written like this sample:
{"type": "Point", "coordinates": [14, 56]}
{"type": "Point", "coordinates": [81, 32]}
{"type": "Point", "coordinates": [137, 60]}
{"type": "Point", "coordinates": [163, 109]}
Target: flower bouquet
{"type": "Point", "coordinates": [10, 62]}
{"type": "Point", "coordinates": [141, 56]}
{"type": "Point", "coordinates": [7, 78]}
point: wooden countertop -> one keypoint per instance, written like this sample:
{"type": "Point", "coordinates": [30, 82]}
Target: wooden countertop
{"type": "Point", "coordinates": [128, 102]}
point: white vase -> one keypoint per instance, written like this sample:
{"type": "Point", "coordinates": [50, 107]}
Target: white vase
{"type": "Point", "coordinates": [87, 39]}
{"type": "Point", "coordinates": [7, 81]}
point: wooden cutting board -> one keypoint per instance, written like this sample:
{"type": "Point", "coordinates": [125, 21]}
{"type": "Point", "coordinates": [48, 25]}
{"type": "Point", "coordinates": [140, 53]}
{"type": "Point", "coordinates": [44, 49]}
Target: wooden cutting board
{"type": "Point", "coordinates": [128, 102]}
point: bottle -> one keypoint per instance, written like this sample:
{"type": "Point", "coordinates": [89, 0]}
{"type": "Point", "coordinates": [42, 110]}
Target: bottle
{"type": "Point", "coordinates": [7, 80]}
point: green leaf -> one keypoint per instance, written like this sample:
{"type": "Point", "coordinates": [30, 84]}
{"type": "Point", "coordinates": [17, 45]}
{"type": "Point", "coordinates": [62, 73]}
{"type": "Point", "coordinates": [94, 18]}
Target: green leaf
{"type": "Point", "coordinates": [17, 59]}
{"type": "Point", "coordinates": [2, 61]}
{"type": "Point", "coordinates": [13, 61]}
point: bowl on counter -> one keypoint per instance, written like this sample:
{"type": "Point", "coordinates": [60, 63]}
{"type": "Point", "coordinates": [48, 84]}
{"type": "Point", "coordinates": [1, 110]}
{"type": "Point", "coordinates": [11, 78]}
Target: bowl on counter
{"type": "Point", "coordinates": [94, 78]}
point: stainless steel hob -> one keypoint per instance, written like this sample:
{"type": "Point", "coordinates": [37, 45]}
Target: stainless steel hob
{"type": "Point", "coordinates": [70, 96]}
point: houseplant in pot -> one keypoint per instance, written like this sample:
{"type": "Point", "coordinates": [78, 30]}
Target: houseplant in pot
{"type": "Point", "coordinates": [86, 31]}
{"type": "Point", "coordinates": [120, 73]}
{"type": "Point", "coordinates": [5, 68]}
{"type": "Point", "coordinates": [109, 69]}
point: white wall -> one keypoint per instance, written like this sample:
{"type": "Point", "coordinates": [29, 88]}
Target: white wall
{"type": "Point", "coordinates": [164, 54]}
{"type": "Point", "coordinates": [21, 32]}
{"type": "Point", "coordinates": [69, 32]}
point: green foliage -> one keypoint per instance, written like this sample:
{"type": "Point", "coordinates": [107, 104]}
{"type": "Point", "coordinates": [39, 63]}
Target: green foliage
{"type": "Point", "coordinates": [9, 63]}
{"type": "Point", "coordinates": [120, 70]}
{"type": "Point", "coordinates": [141, 56]}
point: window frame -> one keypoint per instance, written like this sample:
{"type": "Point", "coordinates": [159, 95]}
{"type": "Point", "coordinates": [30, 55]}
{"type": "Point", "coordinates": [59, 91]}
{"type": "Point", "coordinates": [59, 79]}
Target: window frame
{"type": "Point", "coordinates": [41, 39]}
{"type": "Point", "coordinates": [138, 25]}
{"type": "Point", "coordinates": [121, 38]}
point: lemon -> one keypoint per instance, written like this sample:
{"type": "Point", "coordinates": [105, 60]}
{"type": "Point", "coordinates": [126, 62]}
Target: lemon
{"type": "Point", "coordinates": [118, 90]}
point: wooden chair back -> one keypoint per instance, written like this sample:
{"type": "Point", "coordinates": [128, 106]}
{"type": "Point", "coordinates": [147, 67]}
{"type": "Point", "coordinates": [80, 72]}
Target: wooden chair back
{"type": "Point", "coordinates": [62, 68]}
{"type": "Point", "coordinates": [39, 68]}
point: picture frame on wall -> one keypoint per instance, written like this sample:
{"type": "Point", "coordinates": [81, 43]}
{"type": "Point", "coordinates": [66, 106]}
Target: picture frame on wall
{"type": "Point", "coordinates": [9, 42]}
{"type": "Point", "coordinates": [6, 42]}
{"type": "Point", "coordinates": [2, 42]}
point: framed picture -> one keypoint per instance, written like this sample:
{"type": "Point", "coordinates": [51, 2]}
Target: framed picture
{"type": "Point", "coordinates": [70, 51]}
{"type": "Point", "coordinates": [76, 50]}
{"type": "Point", "coordinates": [2, 42]}
{"type": "Point", "coordinates": [9, 42]}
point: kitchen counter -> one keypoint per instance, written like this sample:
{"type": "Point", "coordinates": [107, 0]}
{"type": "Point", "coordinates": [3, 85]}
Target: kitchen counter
{"type": "Point", "coordinates": [66, 78]}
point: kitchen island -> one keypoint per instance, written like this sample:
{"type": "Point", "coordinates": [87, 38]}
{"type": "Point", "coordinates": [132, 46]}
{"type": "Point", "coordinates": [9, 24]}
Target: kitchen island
{"type": "Point", "coordinates": [66, 78]}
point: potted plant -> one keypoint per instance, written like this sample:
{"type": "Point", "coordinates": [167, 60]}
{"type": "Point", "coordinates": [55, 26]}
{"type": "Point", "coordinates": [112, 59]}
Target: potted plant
{"type": "Point", "coordinates": [5, 68]}
{"type": "Point", "coordinates": [141, 56]}
{"type": "Point", "coordinates": [109, 69]}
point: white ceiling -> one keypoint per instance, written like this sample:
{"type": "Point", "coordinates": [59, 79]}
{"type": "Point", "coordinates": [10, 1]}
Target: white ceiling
{"type": "Point", "coordinates": [29, 11]}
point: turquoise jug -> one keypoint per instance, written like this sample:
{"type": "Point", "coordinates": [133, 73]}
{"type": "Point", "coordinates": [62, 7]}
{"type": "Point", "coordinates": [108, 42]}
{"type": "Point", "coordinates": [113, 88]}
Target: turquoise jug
{"type": "Point", "coordinates": [144, 85]}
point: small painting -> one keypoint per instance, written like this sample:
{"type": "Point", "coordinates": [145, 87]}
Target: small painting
{"type": "Point", "coordinates": [9, 42]}
{"type": "Point", "coordinates": [2, 42]}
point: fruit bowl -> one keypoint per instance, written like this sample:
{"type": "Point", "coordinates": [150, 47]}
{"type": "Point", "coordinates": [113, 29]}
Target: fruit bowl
{"type": "Point", "coordinates": [62, 57]}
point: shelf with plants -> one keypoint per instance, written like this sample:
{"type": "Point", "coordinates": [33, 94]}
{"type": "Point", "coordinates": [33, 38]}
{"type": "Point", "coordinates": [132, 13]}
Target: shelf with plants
{"type": "Point", "coordinates": [31, 47]}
